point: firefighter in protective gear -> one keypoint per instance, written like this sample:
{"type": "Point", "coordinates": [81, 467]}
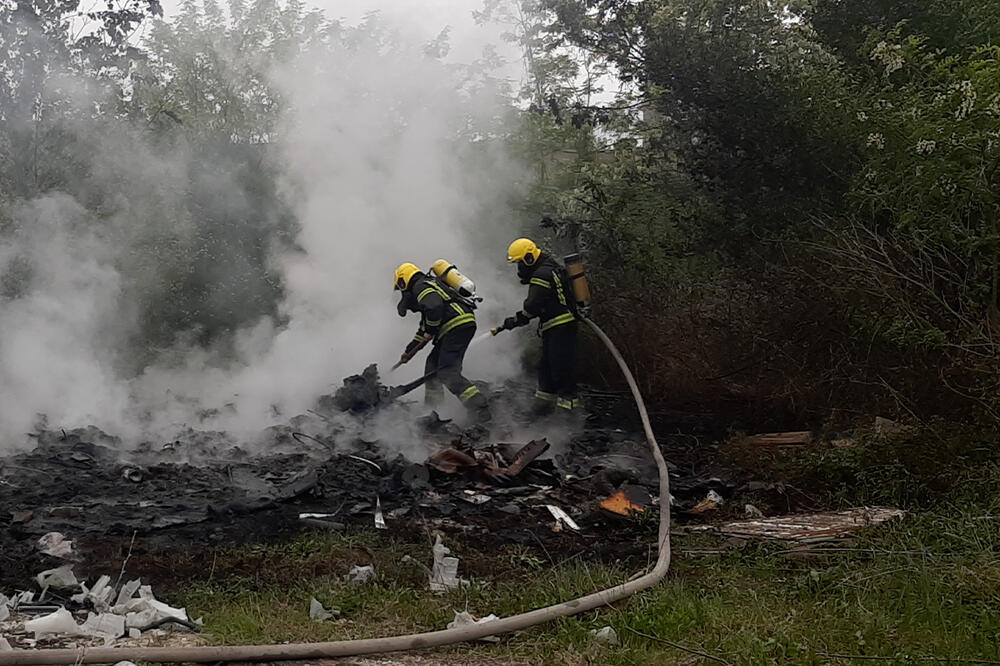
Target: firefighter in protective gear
{"type": "Point", "coordinates": [450, 325]}
{"type": "Point", "coordinates": [551, 302]}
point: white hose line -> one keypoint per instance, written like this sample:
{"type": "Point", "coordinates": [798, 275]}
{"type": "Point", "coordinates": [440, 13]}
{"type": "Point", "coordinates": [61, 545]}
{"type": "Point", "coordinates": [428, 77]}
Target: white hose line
{"type": "Point", "coordinates": [430, 639]}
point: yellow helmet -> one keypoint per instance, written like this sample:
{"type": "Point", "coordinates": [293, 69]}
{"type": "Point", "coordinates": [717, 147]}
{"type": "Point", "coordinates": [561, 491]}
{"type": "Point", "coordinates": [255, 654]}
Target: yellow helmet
{"type": "Point", "coordinates": [523, 249]}
{"type": "Point", "coordinates": [404, 274]}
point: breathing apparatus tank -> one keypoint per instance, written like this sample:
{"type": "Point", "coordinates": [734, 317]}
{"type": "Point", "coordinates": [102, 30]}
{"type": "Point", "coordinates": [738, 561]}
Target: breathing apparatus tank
{"type": "Point", "coordinates": [447, 273]}
{"type": "Point", "coordinates": [578, 279]}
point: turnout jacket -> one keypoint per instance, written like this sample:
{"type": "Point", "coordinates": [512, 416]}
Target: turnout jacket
{"type": "Point", "coordinates": [439, 312]}
{"type": "Point", "coordinates": [547, 297]}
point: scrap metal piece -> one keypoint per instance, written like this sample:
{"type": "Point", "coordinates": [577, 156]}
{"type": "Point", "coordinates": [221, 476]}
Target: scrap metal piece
{"type": "Point", "coordinates": [450, 461]}
{"type": "Point", "coordinates": [808, 528]}
{"type": "Point", "coordinates": [526, 455]}
{"type": "Point", "coordinates": [132, 474]}
{"type": "Point", "coordinates": [472, 497]}
{"type": "Point", "coordinates": [365, 460]}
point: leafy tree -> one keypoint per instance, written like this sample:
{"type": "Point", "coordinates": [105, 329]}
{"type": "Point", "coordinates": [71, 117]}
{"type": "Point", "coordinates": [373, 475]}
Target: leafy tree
{"type": "Point", "coordinates": [48, 48]}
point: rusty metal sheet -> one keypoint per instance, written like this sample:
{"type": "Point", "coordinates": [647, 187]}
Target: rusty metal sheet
{"type": "Point", "coordinates": [450, 461]}
{"type": "Point", "coordinates": [528, 453]}
{"type": "Point", "coordinates": [807, 528]}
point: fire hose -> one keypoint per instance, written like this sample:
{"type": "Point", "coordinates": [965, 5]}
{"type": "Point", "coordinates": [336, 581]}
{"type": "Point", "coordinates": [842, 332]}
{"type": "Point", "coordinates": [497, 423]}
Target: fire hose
{"type": "Point", "coordinates": [470, 632]}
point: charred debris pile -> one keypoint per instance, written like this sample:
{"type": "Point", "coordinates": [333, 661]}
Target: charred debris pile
{"type": "Point", "coordinates": [204, 487]}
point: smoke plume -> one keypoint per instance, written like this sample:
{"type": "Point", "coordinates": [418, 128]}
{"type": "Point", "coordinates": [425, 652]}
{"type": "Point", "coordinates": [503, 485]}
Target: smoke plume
{"type": "Point", "coordinates": [381, 154]}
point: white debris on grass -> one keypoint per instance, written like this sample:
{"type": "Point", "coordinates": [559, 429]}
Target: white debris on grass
{"type": "Point", "coordinates": [104, 625]}
{"type": "Point", "coordinates": [359, 575]}
{"type": "Point", "coordinates": [444, 572]}
{"type": "Point", "coordinates": [465, 618]}
{"type": "Point", "coordinates": [127, 592]}
{"type": "Point", "coordinates": [99, 595]}
{"type": "Point", "coordinates": [146, 610]}
{"type": "Point", "coordinates": [129, 615]}
{"type": "Point", "coordinates": [605, 636]}
{"type": "Point", "coordinates": [59, 622]}
{"type": "Point", "coordinates": [318, 613]}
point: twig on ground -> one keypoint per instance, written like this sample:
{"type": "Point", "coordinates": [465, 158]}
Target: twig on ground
{"type": "Point", "coordinates": [680, 647]}
{"type": "Point", "coordinates": [128, 555]}
{"type": "Point", "coordinates": [172, 620]}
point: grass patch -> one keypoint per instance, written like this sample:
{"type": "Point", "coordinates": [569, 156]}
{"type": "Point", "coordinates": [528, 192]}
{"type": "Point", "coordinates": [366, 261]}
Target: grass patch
{"type": "Point", "coordinates": [943, 462]}
{"type": "Point", "coordinates": [925, 586]}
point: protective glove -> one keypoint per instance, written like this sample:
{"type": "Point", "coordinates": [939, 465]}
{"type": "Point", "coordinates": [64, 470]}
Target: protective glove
{"type": "Point", "coordinates": [510, 323]}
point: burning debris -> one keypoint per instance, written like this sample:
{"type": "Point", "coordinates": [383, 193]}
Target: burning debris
{"type": "Point", "coordinates": [64, 498]}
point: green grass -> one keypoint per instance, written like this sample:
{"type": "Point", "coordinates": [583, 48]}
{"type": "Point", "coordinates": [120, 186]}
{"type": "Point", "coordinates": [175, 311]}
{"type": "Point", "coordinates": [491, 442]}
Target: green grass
{"type": "Point", "coordinates": [927, 586]}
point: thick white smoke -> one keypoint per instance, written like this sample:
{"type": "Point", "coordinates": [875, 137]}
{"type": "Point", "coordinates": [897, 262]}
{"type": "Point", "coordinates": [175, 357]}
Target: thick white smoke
{"type": "Point", "coordinates": [382, 164]}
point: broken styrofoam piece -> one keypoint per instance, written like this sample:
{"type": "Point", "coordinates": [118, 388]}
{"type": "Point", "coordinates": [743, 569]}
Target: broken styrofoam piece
{"type": "Point", "coordinates": [146, 609]}
{"type": "Point", "coordinates": [605, 636]}
{"type": "Point", "coordinates": [127, 592]}
{"type": "Point", "coordinates": [465, 618]}
{"type": "Point", "coordinates": [59, 622]}
{"type": "Point", "coordinates": [56, 545]}
{"type": "Point", "coordinates": [58, 578]}
{"type": "Point", "coordinates": [444, 572]}
{"type": "Point", "coordinates": [4, 645]}
{"type": "Point", "coordinates": [99, 595]}
{"type": "Point", "coordinates": [359, 575]}
{"type": "Point", "coordinates": [318, 613]}
{"type": "Point", "coordinates": [144, 612]}
{"type": "Point", "coordinates": [104, 625]}
{"type": "Point", "coordinates": [133, 633]}
{"type": "Point", "coordinates": [303, 516]}
{"type": "Point", "coordinates": [20, 599]}
{"type": "Point", "coordinates": [562, 518]}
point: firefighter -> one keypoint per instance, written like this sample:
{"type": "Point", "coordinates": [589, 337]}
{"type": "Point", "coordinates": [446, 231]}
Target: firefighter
{"type": "Point", "coordinates": [451, 326]}
{"type": "Point", "coordinates": [550, 300]}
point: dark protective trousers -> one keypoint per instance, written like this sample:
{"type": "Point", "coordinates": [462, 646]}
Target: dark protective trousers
{"type": "Point", "coordinates": [557, 371]}
{"type": "Point", "coordinates": [447, 357]}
